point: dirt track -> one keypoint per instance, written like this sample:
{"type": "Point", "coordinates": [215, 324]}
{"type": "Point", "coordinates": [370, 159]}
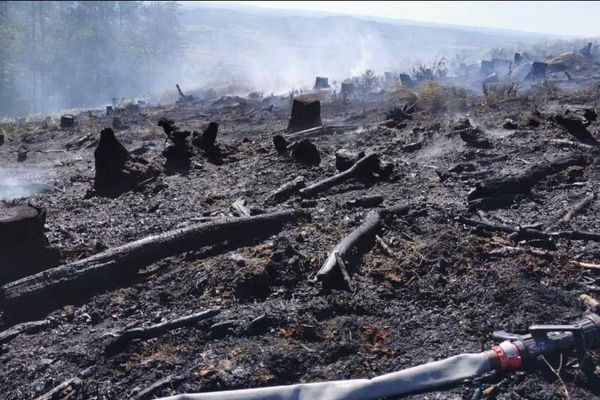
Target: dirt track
{"type": "Point", "coordinates": [441, 293]}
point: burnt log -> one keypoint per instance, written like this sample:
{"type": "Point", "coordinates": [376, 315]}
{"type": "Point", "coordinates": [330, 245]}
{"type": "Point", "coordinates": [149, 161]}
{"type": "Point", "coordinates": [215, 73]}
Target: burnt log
{"type": "Point", "coordinates": [116, 171]}
{"type": "Point", "coordinates": [471, 135]}
{"type": "Point", "coordinates": [365, 167]}
{"type": "Point", "coordinates": [26, 327]}
{"type": "Point", "coordinates": [518, 233]}
{"type": "Point", "coordinates": [306, 113]}
{"type": "Point", "coordinates": [523, 181]}
{"type": "Point", "coordinates": [366, 202]}
{"type": "Point", "coordinates": [576, 119]}
{"type": "Point", "coordinates": [66, 390]}
{"type": "Point", "coordinates": [206, 141]}
{"type": "Point", "coordinates": [35, 295]}
{"type": "Point", "coordinates": [287, 190]}
{"type": "Point", "coordinates": [356, 243]}
{"type": "Point", "coordinates": [25, 250]}
{"type": "Point", "coordinates": [345, 159]}
{"type": "Point", "coordinates": [1, 140]}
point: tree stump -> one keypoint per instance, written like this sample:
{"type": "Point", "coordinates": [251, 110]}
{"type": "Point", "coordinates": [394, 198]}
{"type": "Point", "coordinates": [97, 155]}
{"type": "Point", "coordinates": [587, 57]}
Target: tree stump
{"type": "Point", "coordinates": [305, 152]}
{"type": "Point", "coordinates": [24, 247]}
{"type": "Point", "coordinates": [67, 121]}
{"type": "Point", "coordinates": [207, 140]}
{"type": "Point", "coordinates": [116, 170]}
{"type": "Point", "coordinates": [306, 113]}
{"type": "Point", "coordinates": [538, 71]}
{"type": "Point", "coordinates": [321, 82]}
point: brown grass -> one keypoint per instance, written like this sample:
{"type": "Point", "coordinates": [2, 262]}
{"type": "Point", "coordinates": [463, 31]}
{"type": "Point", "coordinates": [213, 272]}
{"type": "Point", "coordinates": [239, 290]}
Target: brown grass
{"type": "Point", "coordinates": [432, 98]}
{"type": "Point", "coordinates": [498, 94]}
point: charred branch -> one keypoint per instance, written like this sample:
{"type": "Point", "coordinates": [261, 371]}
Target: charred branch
{"type": "Point", "coordinates": [153, 331]}
{"type": "Point", "coordinates": [358, 241]}
{"type": "Point", "coordinates": [523, 181]}
{"type": "Point", "coordinates": [364, 167]}
{"type": "Point", "coordinates": [287, 190]}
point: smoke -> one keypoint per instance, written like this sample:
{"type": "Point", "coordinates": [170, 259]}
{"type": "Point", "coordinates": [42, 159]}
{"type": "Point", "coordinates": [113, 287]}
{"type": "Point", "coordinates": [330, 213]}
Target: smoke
{"type": "Point", "coordinates": [25, 180]}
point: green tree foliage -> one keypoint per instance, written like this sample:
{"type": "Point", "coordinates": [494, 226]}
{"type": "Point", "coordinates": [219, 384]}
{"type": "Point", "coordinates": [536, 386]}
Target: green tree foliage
{"type": "Point", "coordinates": [61, 54]}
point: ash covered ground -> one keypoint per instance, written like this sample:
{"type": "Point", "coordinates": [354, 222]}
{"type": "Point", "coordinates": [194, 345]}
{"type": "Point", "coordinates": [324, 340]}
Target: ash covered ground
{"type": "Point", "coordinates": [433, 286]}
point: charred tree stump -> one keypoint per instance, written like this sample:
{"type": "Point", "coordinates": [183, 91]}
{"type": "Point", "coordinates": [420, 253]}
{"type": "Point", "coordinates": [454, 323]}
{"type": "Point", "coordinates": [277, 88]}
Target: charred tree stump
{"type": "Point", "coordinates": [207, 140]}
{"type": "Point", "coordinates": [306, 113]}
{"type": "Point", "coordinates": [24, 249]}
{"type": "Point", "coordinates": [364, 167]}
{"type": "Point", "coordinates": [116, 171]}
{"type": "Point", "coordinates": [280, 144]}
{"type": "Point", "coordinates": [523, 181]}
{"type": "Point", "coordinates": [358, 241]}
{"type": "Point", "coordinates": [67, 121]}
{"type": "Point", "coordinates": [538, 71]}
{"type": "Point", "coordinates": [304, 152]}
{"type": "Point", "coordinates": [179, 152]}
{"type": "Point", "coordinates": [35, 295]}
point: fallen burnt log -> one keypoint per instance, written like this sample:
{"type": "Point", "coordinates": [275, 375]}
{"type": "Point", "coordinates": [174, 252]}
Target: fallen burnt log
{"type": "Point", "coordinates": [25, 249]}
{"type": "Point", "coordinates": [26, 327]}
{"type": "Point", "coordinates": [523, 181]}
{"type": "Point", "coordinates": [526, 233]}
{"type": "Point", "coordinates": [365, 167]}
{"type": "Point", "coordinates": [358, 241]}
{"type": "Point", "coordinates": [576, 119]}
{"type": "Point", "coordinates": [157, 330]}
{"type": "Point", "coordinates": [35, 295]}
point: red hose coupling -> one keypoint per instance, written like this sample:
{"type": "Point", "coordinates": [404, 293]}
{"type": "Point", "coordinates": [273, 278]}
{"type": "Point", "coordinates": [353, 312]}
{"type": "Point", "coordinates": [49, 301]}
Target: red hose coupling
{"type": "Point", "coordinates": [508, 355]}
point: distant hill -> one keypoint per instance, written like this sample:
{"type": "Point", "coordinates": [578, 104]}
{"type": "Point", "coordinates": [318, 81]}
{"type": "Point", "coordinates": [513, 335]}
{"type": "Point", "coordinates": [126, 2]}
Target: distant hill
{"type": "Point", "coordinates": [278, 49]}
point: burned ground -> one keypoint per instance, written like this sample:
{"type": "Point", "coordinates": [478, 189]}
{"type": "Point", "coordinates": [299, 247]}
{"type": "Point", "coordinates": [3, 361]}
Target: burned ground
{"type": "Point", "coordinates": [442, 290]}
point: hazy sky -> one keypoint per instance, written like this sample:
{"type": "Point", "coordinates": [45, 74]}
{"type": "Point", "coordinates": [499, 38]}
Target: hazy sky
{"type": "Point", "coordinates": [578, 18]}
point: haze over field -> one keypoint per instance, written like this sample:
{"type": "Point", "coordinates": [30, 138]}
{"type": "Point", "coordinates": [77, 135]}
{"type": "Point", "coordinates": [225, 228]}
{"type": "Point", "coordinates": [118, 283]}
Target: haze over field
{"type": "Point", "coordinates": [58, 55]}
